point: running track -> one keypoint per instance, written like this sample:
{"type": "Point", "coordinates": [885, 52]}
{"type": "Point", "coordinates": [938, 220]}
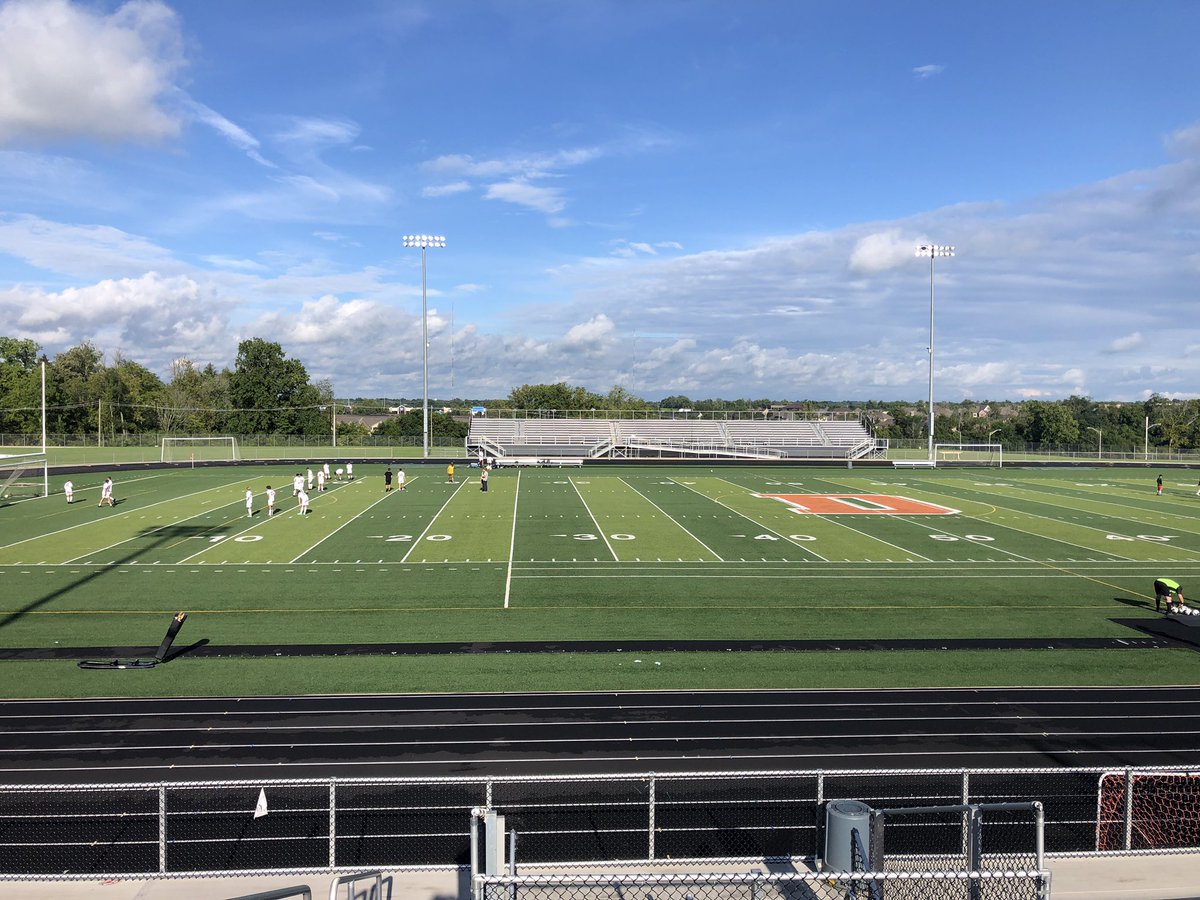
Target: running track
{"type": "Point", "coordinates": [106, 741]}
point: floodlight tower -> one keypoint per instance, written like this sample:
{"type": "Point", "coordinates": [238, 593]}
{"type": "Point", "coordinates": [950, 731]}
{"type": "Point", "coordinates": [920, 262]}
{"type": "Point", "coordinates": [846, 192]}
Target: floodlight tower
{"type": "Point", "coordinates": [424, 241]}
{"type": "Point", "coordinates": [933, 251]}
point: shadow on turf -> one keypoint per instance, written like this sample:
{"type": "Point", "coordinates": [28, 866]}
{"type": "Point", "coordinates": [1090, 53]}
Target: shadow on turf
{"type": "Point", "coordinates": [181, 651]}
{"type": "Point", "coordinates": [160, 536]}
{"type": "Point", "coordinates": [1136, 604]}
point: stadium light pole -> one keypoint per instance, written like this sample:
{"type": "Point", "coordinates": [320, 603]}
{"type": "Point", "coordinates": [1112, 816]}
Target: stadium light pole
{"type": "Point", "coordinates": [1099, 446]}
{"type": "Point", "coordinates": [424, 241]}
{"type": "Point", "coordinates": [933, 251]}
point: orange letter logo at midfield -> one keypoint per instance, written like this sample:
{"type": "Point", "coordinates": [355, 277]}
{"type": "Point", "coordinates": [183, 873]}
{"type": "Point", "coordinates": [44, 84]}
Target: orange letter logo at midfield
{"type": "Point", "coordinates": [859, 505]}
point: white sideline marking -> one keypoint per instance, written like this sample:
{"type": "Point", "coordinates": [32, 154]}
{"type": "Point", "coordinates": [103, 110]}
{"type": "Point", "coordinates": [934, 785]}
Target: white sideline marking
{"type": "Point", "coordinates": [512, 543]}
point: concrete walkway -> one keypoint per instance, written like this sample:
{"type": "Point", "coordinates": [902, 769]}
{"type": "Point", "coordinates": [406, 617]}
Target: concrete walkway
{"type": "Point", "coordinates": [1175, 877]}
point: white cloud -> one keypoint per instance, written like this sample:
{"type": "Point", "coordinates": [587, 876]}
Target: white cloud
{"type": "Point", "coordinates": [446, 190]}
{"type": "Point", "coordinates": [923, 72]}
{"type": "Point", "coordinates": [532, 196]}
{"type": "Point", "coordinates": [70, 71]}
{"type": "Point", "coordinates": [1184, 142]}
{"type": "Point", "coordinates": [883, 250]}
{"type": "Point", "coordinates": [229, 262]}
{"type": "Point", "coordinates": [1127, 343]}
{"type": "Point", "coordinates": [590, 335]}
{"type": "Point", "coordinates": [80, 250]}
{"type": "Point", "coordinates": [154, 319]}
{"type": "Point", "coordinates": [519, 173]}
{"type": "Point", "coordinates": [526, 166]}
{"type": "Point", "coordinates": [307, 135]}
{"type": "Point", "coordinates": [235, 134]}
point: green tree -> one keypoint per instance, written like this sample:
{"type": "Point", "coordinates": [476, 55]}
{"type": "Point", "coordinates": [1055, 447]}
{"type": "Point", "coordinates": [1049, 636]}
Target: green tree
{"type": "Point", "coordinates": [270, 394]}
{"type": "Point", "coordinates": [905, 425]}
{"type": "Point", "coordinates": [676, 401]}
{"type": "Point", "coordinates": [1049, 423]}
{"type": "Point", "coordinates": [352, 434]}
{"type": "Point", "coordinates": [20, 385]}
{"type": "Point", "coordinates": [195, 401]}
{"type": "Point", "coordinates": [72, 390]}
{"type": "Point", "coordinates": [544, 398]}
{"type": "Point", "coordinates": [619, 398]}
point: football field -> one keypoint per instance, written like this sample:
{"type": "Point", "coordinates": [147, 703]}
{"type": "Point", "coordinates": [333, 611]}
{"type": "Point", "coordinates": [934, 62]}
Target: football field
{"type": "Point", "coordinates": [628, 553]}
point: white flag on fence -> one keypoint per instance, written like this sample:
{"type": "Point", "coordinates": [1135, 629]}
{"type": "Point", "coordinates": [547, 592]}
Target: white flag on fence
{"type": "Point", "coordinates": [260, 808]}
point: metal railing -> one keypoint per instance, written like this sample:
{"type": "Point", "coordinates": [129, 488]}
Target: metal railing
{"type": "Point", "coordinates": [347, 825]}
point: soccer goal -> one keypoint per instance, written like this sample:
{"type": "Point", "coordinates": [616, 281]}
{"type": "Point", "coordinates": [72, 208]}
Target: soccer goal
{"type": "Point", "coordinates": [199, 449]}
{"type": "Point", "coordinates": [1148, 810]}
{"type": "Point", "coordinates": [969, 454]}
{"type": "Point", "coordinates": [23, 476]}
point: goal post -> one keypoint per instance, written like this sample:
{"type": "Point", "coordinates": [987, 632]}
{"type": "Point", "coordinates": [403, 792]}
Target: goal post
{"type": "Point", "coordinates": [23, 476]}
{"type": "Point", "coordinates": [199, 449]}
{"type": "Point", "coordinates": [969, 454]}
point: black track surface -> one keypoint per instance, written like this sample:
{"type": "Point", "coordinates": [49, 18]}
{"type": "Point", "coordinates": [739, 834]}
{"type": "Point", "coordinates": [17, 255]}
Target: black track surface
{"type": "Point", "coordinates": [107, 741]}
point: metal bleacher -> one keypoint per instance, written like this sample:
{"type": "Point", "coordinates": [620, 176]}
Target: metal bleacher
{"type": "Point", "coordinates": [559, 441]}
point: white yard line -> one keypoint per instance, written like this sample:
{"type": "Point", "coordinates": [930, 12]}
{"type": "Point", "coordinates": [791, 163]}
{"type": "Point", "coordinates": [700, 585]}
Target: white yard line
{"type": "Point", "coordinates": [830, 520]}
{"type": "Point", "coordinates": [512, 543]}
{"type": "Point", "coordinates": [421, 536]}
{"type": "Point", "coordinates": [672, 518]}
{"type": "Point", "coordinates": [747, 518]}
{"type": "Point", "coordinates": [344, 524]}
{"type": "Point", "coordinates": [38, 537]}
{"type": "Point", "coordinates": [599, 530]}
{"type": "Point", "coordinates": [833, 521]}
{"type": "Point", "coordinates": [225, 539]}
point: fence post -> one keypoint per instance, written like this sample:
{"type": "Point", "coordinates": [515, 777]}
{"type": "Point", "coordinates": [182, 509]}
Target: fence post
{"type": "Point", "coordinates": [650, 836]}
{"type": "Point", "coordinates": [975, 861]}
{"type": "Point", "coordinates": [333, 823]}
{"type": "Point", "coordinates": [818, 831]}
{"type": "Point", "coordinates": [1129, 809]}
{"type": "Point", "coordinates": [162, 829]}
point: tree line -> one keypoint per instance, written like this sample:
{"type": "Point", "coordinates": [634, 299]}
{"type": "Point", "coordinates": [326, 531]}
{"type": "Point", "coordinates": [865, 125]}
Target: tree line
{"type": "Point", "coordinates": [265, 392]}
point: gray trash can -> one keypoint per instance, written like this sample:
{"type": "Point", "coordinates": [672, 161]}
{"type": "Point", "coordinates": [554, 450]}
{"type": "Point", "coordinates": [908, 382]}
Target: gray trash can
{"type": "Point", "coordinates": [841, 817]}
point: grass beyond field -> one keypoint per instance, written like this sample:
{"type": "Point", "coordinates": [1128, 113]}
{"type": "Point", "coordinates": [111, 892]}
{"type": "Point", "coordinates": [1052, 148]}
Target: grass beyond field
{"type": "Point", "coordinates": [647, 553]}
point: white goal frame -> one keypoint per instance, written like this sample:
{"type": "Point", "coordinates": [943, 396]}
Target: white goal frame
{"type": "Point", "coordinates": [229, 441]}
{"type": "Point", "coordinates": [13, 466]}
{"type": "Point", "coordinates": [969, 454]}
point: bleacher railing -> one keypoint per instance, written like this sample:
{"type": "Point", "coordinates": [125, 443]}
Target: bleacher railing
{"type": "Point", "coordinates": [340, 826]}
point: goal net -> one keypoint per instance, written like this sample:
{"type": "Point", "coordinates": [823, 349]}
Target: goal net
{"type": "Point", "coordinates": [1148, 810]}
{"type": "Point", "coordinates": [23, 476]}
{"type": "Point", "coordinates": [969, 454]}
{"type": "Point", "coordinates": [199, 449]}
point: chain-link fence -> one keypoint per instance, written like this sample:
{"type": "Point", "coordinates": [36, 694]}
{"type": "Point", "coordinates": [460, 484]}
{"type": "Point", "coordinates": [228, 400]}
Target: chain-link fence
{"type": "Point", "coordinates": [339, 825]}
{"type": "Point", "coordinates": [771, 886]}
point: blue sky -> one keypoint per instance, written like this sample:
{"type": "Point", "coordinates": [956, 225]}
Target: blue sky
{"type": "Point", "coordinates": [700, 198]}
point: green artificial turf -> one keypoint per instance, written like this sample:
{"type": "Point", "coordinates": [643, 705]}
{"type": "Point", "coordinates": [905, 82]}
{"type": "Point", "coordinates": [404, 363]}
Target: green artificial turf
{"type": "Point", "coordinates": [537, 672]}
{"type": "Point", "coordinates": [597, 554]}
